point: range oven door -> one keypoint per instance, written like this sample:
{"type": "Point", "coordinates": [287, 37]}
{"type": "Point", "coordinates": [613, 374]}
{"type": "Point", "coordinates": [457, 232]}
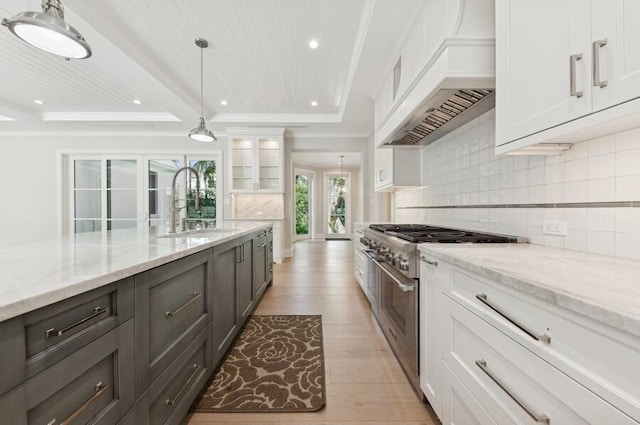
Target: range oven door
{"type": "Point", "coordinates": [398, 317]}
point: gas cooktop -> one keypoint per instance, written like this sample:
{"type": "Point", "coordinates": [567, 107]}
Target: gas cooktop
{"type": "Point", "coordinates": [419, 233]}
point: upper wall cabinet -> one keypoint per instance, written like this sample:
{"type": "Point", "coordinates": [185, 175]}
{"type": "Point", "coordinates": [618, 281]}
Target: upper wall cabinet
{"type": "Point", "coordinates": [256, 161]}
{"type": "Point", "coordinates": [396, 169]}
{"type": "Point", "coordinates": [565, 70]}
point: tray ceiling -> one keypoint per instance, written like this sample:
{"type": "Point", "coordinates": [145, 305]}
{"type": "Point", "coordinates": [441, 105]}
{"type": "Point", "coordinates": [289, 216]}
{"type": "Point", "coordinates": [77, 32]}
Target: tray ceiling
{"type": "Point", "coordinates": [258, 61]}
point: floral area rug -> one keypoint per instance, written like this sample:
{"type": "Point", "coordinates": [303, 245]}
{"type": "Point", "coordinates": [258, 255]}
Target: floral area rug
{"type": "Point", "coordinates": [276, 365]}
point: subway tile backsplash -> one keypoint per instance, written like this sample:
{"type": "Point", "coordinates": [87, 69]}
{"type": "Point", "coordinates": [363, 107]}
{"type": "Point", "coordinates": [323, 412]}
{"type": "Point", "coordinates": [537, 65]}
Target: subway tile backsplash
{"type": "Point", "coordinates": [465, 185]}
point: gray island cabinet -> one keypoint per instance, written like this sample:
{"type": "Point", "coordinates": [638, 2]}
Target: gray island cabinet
{"type": "Point", "coordinates": [136, 351]}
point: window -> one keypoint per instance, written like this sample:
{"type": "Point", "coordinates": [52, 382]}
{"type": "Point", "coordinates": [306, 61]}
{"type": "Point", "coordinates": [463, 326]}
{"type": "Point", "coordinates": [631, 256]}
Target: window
{"type": "Point", "coordinates": [109, 192]}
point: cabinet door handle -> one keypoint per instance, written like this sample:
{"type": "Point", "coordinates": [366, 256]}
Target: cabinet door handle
{"type": "Point", "coordinates": [597, 45]}
{"type": "Point", "coordinates": [263, 245]}
{"type": "Point", "coordinates": [544, 337]}
{"type": "Point", "coordinates": [193, 298]}
{"type": "Point", "coordinates": [541, 418]}
{"type": "Point", "coordinates": [431, 263]}
{"type": "Point", "coordinates": [53, 332]}
{"type": "Point", "coordinates": [99, 388]}
{"type": "Point", "coordinates": [380, 175]}
{"type": "Point", "coordinates": [243, 253]}
{"type": "Point", "coordinates": [573, 59]}
{"type": "Point", "coordinates": [171, 402]}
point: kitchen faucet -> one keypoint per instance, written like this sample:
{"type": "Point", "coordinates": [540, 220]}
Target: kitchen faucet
{"type": "Point", "coordinates": [172, 202]}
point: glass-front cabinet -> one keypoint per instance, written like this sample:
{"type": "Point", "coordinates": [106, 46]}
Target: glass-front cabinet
{"type": "Point", "coordinates": [256, 161]}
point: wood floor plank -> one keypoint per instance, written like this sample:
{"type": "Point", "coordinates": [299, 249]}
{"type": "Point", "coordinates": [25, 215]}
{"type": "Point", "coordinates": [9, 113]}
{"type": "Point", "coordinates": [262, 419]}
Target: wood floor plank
{"type": "Point", "coordinates": [365, 384]}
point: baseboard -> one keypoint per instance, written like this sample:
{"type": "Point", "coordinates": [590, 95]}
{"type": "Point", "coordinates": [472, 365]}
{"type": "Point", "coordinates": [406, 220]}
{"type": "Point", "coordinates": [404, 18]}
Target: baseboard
{"type": "Point", "coordinates": [288, 253]}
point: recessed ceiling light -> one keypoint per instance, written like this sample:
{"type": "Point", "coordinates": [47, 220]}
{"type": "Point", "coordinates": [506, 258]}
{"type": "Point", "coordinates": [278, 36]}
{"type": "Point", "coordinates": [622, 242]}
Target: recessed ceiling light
{"type": "Point", "coordinates": [223, 102]}
{"type": "Point", "coordinates": [38, 101]}
{"type": "Point", "coordinates": [314, 103]}
{"type": "Point", "coordinates": [137, 101]}
{"type": "Point", "coordinates": [313, 43]}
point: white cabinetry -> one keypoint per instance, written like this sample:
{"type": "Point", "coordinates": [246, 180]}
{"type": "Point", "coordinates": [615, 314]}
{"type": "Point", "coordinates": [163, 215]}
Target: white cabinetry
{"type": "Point", "coordinates": [396, 168]}
{"type": "Point", "coordinates": [360, 261]}
{"type": "Point", "coordinates": [560, 66]}
{"type": "Point", "coordinates": [278, 253]}
{"type": "Point", "coordinates": [509, 357]}
{"type": "Point", "coordinates": [433, 275]}
{"type": "Point", "coordinates": [256, 161]}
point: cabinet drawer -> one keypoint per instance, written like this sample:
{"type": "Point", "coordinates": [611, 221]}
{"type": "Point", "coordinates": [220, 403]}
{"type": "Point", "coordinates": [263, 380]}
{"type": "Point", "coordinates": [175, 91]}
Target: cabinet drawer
{"type": "Point", "coordinates": [37, 340]}
{"type": "Point", "coordinates": [170, 397]}
{"type": "Point", "coordinates": [512, 383]}
{"type": "Point", "coordinates": [460, 407]}
{"type": "Point", "coordinates": [93, 385]}
{"type": "Point", "coordinates": [173, 305]}
{"type": "Point", "coordinates": [360, 269]}
{"type": "Point", "coordinates": [599, 357]}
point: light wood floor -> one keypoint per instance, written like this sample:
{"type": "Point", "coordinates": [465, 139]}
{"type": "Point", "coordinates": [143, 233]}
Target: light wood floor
{"type": "Point", "coordinates": [365, 384]}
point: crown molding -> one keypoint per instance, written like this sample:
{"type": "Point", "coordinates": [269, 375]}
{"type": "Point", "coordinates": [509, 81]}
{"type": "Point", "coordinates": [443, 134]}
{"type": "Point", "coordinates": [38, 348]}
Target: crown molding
{"type": "Point", "coordinates": [275, 118]}
{"type": "Point", "coordinates": [110, 116]}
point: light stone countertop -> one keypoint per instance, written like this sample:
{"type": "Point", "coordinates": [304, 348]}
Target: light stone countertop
{"type": "Point", "coordinates": [603, 288]}
{"type": "Point", "coordinates": [39, 273]}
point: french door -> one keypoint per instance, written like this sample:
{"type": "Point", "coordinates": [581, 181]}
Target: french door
{"type": "Point", "coordinates": [337, 205]}
{"type": "Point", "coordinates": [109, 192]}
{"type": "Point", "coordinates": [303, 204]}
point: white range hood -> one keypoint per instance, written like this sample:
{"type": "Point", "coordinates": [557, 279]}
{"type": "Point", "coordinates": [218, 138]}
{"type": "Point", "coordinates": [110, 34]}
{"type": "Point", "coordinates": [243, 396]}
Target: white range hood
{"type": "Point", "coordinates": [455, 79]}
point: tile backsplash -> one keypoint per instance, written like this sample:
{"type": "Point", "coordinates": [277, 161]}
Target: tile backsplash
{"type": "Point", "coordinates": [594, 187]}
{"type": "Point", "coordinates": [258, 206]}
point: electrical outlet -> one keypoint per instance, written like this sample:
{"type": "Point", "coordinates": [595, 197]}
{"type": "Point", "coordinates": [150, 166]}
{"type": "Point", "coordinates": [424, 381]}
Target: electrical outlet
{"type": "Point", "coordinates": [554, 227]}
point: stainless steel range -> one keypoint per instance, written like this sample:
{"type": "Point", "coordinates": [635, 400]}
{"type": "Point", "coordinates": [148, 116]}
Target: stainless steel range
{"type": "Point", "coordinates": [394, 275]}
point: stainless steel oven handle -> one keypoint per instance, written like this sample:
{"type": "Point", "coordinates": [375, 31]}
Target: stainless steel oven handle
{"type": "Point", "coordinates": [404, 287]}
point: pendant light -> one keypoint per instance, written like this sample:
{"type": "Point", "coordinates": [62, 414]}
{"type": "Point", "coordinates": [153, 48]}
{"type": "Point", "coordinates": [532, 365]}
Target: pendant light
{"type": "Point", "coordinates": [201, 133]}
{"type": "Point", "coordinates": [48, 31]}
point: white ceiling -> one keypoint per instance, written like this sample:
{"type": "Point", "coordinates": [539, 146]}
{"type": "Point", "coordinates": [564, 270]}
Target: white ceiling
{"type": "Point", "coordinates": [258, 60]}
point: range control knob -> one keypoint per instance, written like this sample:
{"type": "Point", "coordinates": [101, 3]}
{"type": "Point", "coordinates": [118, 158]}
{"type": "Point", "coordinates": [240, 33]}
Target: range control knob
{"type": "Point", "coordinates": [403, 264]}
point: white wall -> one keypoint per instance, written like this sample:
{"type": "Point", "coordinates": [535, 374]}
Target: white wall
{"type": "Point", "coordinates": [521, 191]}
{"type": "Point", "coordinates": [29, 186]}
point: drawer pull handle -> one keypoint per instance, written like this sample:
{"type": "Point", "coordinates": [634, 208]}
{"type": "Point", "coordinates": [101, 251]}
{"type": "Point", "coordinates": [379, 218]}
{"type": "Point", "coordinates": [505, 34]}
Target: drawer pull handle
{"type": "Point", "coordinates": [542, 418]}
{"type": "Point", "coordinates": [100, 389]}
{"type": "Point", "coordinates": [544, 337]}
{"type": "Point", "coordinates": [597, 45]}
{"type": "Point", "coordinates": [431, 263]}
{"type": "Point", "coordinates": [264, 244]}
{"type": "Point", "coordinates": [393, 332]}
{"type": "Point", "coordinates": [573, 91]}
{"type": "Point", "coordinates": [170, 402]}
{"type": "Point", "coordinates": [359, 271]}
{"type": "Point", "coordinates": [194, 297]}
{"type": "Point", "coordinates": [53, 332]}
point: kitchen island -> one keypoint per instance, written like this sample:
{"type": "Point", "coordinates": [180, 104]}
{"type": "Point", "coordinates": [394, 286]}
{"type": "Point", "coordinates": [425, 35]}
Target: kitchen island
{"type": "Point", "coordinates": [123, 327]}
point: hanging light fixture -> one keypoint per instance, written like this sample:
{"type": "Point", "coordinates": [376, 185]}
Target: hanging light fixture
{"type": "Point", "coordinates": [48, 31]}
{"type": "Point", "coordinates": [201, 133]}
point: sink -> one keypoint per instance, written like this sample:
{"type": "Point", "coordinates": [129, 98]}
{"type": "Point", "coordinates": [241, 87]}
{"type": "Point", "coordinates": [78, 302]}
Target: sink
{"type": "Point", "coordinates": [203, 233]}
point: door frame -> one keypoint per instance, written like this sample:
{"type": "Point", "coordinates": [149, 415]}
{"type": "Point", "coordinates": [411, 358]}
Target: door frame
{"type": "Point", "coordinates": [325, 203]}
{"type": "Point", "coordinates": [312, 188]}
